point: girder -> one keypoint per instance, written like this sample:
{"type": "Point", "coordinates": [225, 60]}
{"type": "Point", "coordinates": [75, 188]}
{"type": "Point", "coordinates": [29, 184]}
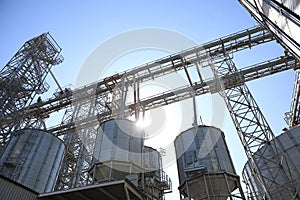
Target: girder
{"type": "Point", "coordinates": [202, 87]}
{"type": "Point", "coordinates": [257, 138]}
{"type": "Point", "coordinates": [102, 89]}
{"type": "Point", "coordinates": [100, 101]}
{"type": "Point", "coordinates": [94, 103]}
{"type": "Point", "coordinates": [281, 18]}
{"type": "Point", "coordinates": [22, 78]}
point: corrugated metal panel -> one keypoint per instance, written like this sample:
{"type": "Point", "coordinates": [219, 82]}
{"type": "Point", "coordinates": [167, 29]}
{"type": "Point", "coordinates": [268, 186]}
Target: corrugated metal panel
{"type": "Point", "coordinates": [202, 148]}
{"type": "Point", "coordinates": [290, 141]}
{"type": "Point", "coordinates": [152, 159]}
{"type": "Point", "coordinates": [12, 191]}
{"type": "Point", "coordinates": [204, 165]}
{"type": "Point", "coordinates": [33, 158]}
{"type": "Point", "coordinates": [256, 191]}
{"type": "Point", "coordinates": [118, 148]}
{"type": "Point", "coordinates": [119, 140]}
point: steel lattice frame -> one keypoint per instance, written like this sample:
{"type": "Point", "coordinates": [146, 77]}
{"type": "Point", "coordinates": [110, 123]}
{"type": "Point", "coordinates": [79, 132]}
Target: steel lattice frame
{"type": "Point", "coordinates": [255, 134]}
{"type": "Point", "coordinates": [94, 103]}
{"type": "Point", "coordinates": [260, 11]}
{"type": "Point", "coordinates": [191, 58]}
{"type": "Point", "coordinates": [100, 101]}
{"type": "Point", "coordinates": [22, 78]}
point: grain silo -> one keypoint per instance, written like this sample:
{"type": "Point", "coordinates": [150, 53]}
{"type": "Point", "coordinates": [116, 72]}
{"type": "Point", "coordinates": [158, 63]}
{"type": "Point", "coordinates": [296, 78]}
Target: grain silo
{"type": "Point", "coordinates": [152, 160]}
{"type": "Point", "coordinates": [204, 164]}
{"type": "Point", "coordinates": [290, 143]}
{"type": "Point", "coordinates": [156, 182]}
{"type": "Point", "coordinates": [120, 155]}
{"type": "Point", "coordinates": [33, 159]}
{"type": "Point", "coordinates": [118, 151]}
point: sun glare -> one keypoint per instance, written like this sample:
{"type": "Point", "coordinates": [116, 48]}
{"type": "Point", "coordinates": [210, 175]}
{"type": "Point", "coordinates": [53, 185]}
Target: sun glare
{"type": "Point", "coordinates": [144, 122]}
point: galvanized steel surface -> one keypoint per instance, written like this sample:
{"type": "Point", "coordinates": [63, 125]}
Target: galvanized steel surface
{"type": "Point", "coordinates": [290, 141]}
{"type": "Point", "coordinates": [12, 191]}
{"type": "Point", "coordinates": [203, 149]}
{"type": "Point", "coordinates": [119, 140]}
{"type": "Point", "coordinates": [33, 158]}
{"type": "Point", "coordinates": [152, 159]}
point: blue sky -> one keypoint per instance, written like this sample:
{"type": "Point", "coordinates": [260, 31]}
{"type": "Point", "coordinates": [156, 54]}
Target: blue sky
{"type": "Point", "coordinates": [80, 26]}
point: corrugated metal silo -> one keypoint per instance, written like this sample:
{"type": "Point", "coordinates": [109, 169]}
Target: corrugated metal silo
{"type": "Point", "coordinates": [152, 160]}
{"type": "Point", "coordinates": [118, 151]}
{"type": "Point", "coordinates": [33, 159]}
{"type": "Point", "coordinates": [204, 164]}
{"type": "Point", "coordinates": [290, 141]}
{"type": "Point", "coordinates": [156, 182]}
